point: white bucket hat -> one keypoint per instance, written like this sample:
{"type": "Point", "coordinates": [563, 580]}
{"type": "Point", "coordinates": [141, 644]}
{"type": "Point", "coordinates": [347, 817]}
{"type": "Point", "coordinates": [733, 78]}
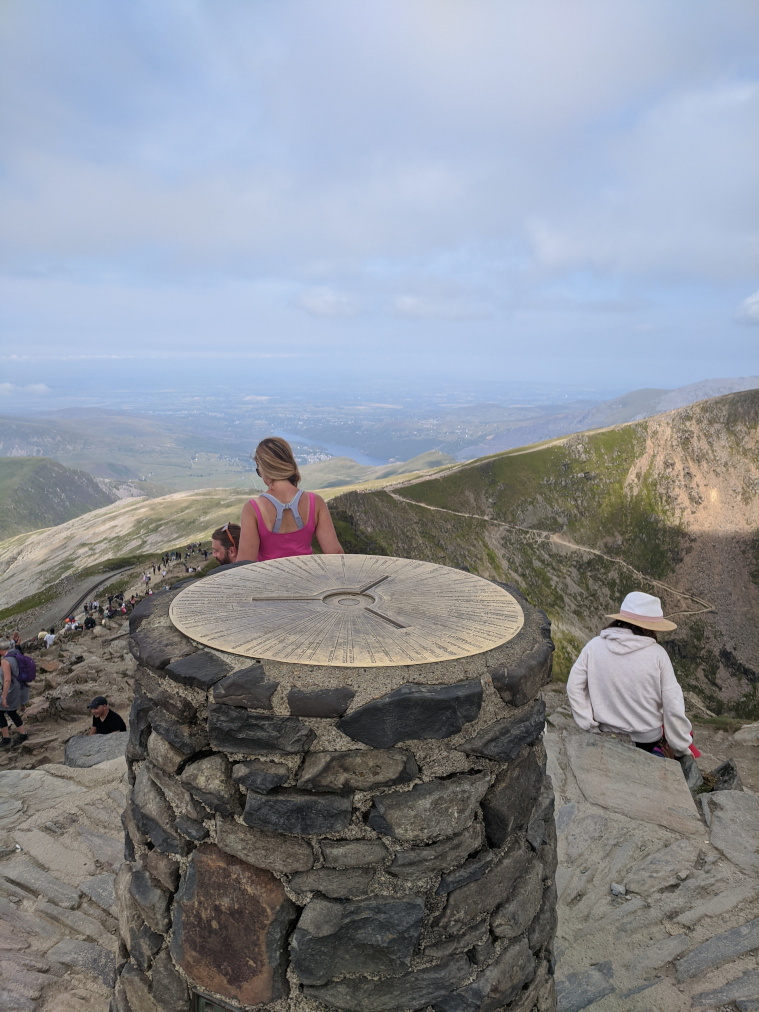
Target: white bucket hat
{"type": "Point", "coordinates": [643, 610]}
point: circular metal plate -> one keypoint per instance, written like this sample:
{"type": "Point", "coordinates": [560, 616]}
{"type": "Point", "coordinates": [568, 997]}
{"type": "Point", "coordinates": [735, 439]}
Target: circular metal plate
{"type": "Point", "coordinates": [347, 611]}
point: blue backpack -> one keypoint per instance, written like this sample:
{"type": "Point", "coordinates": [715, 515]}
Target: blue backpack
{"type": "Point", "coordinates": [27, 669]}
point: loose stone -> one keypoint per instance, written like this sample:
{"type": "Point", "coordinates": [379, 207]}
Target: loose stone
{"type": "Point", "coordinates": [273, 851]}
{"type": "Point", "coordinates": [414, 712]}
{"type": "Point", "coordinates": [319, 702]}
{"type": "Point", "coordinates": [361, 770]}
{"type": "Point", "coordinates": [429, 811]}
{"type": "Point", "coordinates": [364, 936]}
{"type": "Point", "coordinates": [248, 687]}
{"type": "Point", "coordinates": [504, 739]}
{"type": "Point", "coordinates": [298, 812]}
{"type": "Point", "coordinates": [233, 729]}
{"type": "Point", "coordinates": [230, 924]}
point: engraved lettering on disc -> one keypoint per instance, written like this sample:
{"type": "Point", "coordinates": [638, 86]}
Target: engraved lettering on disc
{"type": "Point", "coordinates": [347, 611]}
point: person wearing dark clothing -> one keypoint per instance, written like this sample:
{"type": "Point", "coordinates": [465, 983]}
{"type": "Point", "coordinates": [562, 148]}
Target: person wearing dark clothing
{"type": "Point", "coordinates": [104, 720]}
{"type": "Point", "coordinates": [89, 622]}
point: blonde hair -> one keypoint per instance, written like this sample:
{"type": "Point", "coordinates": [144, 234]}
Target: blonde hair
{"type": "Point", "coordinates": [274, 457]}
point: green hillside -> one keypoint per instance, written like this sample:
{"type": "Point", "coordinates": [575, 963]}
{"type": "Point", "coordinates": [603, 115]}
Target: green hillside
{"type": "Point", "coordinates": [36, 492]}
{"type": "Point", "coordinates": [343, 471]}
{"type": "Point", "coordinates": [668, 505]}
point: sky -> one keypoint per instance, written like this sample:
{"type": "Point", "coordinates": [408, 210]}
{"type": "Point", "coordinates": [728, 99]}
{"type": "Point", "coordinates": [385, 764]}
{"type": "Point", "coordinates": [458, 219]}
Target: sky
{"type": "Point", "coordinates": [299, 195]}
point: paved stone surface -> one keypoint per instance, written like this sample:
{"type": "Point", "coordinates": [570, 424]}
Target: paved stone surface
{"type": "Point", "coordinates": [735, 827]}
{"type": "Point", "coordinates": [414, 711]}
{"type": "Point", "coordinates": [231, 914]}
{"type": "Point", "coordinates": [89, 750]}
{"type": "Point", "coordinates": [87, 956]}
{"type": "Point", "coordinates": [248, 687]}
{"type": "Point", "coordinates": [363, 936]}
{"type": "Point", "coordinates": [662, 868]}
{"type": "Point", "coordinates": [100, 889]}
{"type": "Point", "coordinates": [233, 729]}
{"type": "Point", "coordinates": [429, 811]}
{"type": "Point", "coordinates": [357, 770]}
{"type": "Point", "coordinates": [26, 874]}
{"type": "Point", "coordinates": [657, 792]}
{"type": "Point", "coordinates": [717, 950]}
{"type": "Point", "coordinates": [745, 986]}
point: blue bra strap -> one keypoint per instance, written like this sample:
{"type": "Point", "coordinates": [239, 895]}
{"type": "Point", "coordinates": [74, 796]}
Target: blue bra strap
{"type": "Point", "coordinates": [280, 507]}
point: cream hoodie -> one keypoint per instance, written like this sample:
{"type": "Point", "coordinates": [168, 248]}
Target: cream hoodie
{"type": "Point", "coordinates": [625, 683]}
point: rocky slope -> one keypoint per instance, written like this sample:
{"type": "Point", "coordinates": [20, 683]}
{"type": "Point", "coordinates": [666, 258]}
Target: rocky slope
{"type": "Point", "coordinates": [37, 492]}
{"type": "Point", "coordinates": [668, 505]}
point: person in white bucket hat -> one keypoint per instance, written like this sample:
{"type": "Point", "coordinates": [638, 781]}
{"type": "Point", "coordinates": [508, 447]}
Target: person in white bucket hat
{"type": "Point", "coordinates": [623, 680]}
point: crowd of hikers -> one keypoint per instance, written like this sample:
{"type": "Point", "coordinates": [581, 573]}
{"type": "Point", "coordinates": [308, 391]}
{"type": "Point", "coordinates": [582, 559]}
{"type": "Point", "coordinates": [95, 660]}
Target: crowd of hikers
{"type": "Point", "coordinates": [621, 683]}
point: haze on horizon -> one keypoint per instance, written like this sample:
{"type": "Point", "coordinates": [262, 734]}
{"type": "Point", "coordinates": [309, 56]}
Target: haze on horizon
{"type": "Point", "coordinates": [294, 196]}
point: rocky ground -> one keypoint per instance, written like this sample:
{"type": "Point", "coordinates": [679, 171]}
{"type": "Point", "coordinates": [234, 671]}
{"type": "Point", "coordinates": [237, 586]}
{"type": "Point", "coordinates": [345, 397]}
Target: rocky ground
{"type": "Point", "coordinates": [658, 910]}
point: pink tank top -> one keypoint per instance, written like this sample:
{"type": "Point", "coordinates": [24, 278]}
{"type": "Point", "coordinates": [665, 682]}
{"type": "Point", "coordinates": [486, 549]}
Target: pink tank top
{"type": "Point", "coordinates": [280, 546]}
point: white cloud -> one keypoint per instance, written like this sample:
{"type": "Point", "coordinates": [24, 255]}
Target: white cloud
{"type": "Point", "coordinates": [748, 311]}
{"type": "Point", "coordinates": [327, 302]}
{"type": "Point", "coordinates": [36, 389]}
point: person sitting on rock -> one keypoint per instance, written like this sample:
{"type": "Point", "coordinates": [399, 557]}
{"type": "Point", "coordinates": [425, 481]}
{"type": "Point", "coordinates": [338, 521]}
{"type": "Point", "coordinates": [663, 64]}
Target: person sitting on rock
{"type": "Point", "coordinates": [282, 521]}
{"type": "Point", "coordinates": [104, 720]}
{"type": "Point", "coordinates": [14, 694]}
{"type": "Point", "coordinates": [224, 543]}
{"type": "Point", "coordinates": [623, 680]}
{"type": "Point", "coordinates": [89, 622]}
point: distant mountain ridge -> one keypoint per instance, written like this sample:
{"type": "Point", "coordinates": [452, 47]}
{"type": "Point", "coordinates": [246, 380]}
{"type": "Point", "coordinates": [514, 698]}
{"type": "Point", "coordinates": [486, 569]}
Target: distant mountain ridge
{"type": "Point", "coordinates": [668, 504]}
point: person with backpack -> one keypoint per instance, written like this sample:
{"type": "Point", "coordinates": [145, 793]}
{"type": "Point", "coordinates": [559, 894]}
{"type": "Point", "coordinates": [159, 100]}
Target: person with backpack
{"type": "Point", "coordinates": [18, 671]}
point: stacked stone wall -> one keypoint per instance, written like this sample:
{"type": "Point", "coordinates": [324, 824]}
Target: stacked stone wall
{"type": "Point", "coordinates": [363, 839]}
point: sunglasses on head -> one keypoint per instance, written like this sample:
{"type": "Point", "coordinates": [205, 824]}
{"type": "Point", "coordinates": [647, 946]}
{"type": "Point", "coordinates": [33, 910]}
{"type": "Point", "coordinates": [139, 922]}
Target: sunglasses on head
{"type": "Point", "coordinates": [229, 534]}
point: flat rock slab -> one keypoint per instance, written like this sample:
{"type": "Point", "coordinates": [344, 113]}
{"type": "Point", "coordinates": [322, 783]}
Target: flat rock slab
{"type": "Point", "coordinates": [718, 949]}
{"type": "Point", "coordinates": [26, 874]}
{"type": "Point", "coordinates": [632, 782]}
{"type": "Point", "coordinates": [39, 790]}
{"type": "Point", "coordinates": [99, 888]}
{"type": "Point", "coordinates": [85, 956]}
{"type": "Point", "coordinates": [580, 990]}
{"type": "Point", "coordinates": [746, 986]}
{"type": "Point", "coordinates": [89, 750]}
{"type": "Point", "coordinates": [735, 827]}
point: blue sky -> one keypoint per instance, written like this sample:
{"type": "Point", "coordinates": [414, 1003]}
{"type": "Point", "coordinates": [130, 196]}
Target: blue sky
{"type": "Point", "coordinates": [558, 191]}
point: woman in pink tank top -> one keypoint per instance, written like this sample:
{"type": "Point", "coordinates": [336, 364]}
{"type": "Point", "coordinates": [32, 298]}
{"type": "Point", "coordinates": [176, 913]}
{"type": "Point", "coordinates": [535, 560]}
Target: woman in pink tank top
{"type": "Point", "coordinates": [283, 520]}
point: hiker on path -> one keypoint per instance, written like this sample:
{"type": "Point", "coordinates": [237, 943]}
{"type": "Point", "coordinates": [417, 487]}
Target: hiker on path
{"type": "Point", "coordinates": [283, 520]}
{"type": "Point", "coordinates": [13, 695]}
{"type": "Point", "coordinates": [623, 680]}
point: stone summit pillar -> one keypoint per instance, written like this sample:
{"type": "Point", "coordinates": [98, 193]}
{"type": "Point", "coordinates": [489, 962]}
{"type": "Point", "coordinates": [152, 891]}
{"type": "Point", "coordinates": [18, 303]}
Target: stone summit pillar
{"type": "Point", "coordinates": [339, 794]}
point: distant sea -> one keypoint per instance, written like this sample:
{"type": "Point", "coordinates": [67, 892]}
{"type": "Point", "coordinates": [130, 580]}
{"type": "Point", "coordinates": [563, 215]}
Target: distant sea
{"type": "Point", "coordinates": [336, 449]}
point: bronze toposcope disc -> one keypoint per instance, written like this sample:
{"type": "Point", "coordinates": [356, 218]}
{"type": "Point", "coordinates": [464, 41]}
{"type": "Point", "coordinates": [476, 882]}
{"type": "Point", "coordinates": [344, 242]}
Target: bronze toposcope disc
{"type": "Point", "coordinates": [347, 611]}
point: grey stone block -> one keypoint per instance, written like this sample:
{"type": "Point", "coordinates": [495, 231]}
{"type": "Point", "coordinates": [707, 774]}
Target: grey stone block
{"type": "Point", "coordinates": [578, 990]}
{"type": "Point", "coordinates": [154, 816]}
{"type": "Point", "coordinates": [89, 750]}
{"type": "Point", "coordinates": [233, 729]}
{"type": "Point", "coordinates": [276, 852]}
{"type": "Point", "coordinates": [542, 931]}
{"type": "Point", "coordinates": [298, 812]}
{"type": "Point", "coordinates": [199, 670]}
{"type": "Point", "coordinates": [429, 811]}
{"type": "Point", "coordinates": [14, 1002]}
{"type": "Point", "coordinates": [745, 986]}
{"type": "Point", "coordinates": [100, 889]}
{"type": "Point", "coordinates": [362, 936]}
{"type": "Point", "coordinates": [85, 956]}
{"type": "Point", "coordinates": [180, 799]}
{"type": "Point", "coordinates": [210, 781]}
{"type": "Point", "coordinates": [357, 770]}
{"type": "Point", "coordinates": [508, 804]}
{"type": "Point", "coordinates": [469, 902]}
{"type": "Point", "coordinates": [353, 853]}
{"type": "Point", "coordinates": [139, 725]}
{"type": "Point", "coordinates": [437, 857]}
{"type": "Point", "coordinates": [414, 712]}
{"type": "Point", "coordinates": [248, 687]}
{"type": "Point", "coordinates": [26, 874]}
{"type": "Point", "coordinates": [413, 990]}
{"type": "Point", "coordinates": [158, 646]}
{"type": "Point", "coordinates": [319, 702]}
{"type": "Point", "coordinates": [187, 738]}
{"type": "Point", "coordinates": [517, 913]}
{"type": "Point", "coordinates": [718, 949]}
{"type": "Point", "coordinates": [163, 869]}
{"type": "Point", "coordinates": [475, 934]}
{"type": "Point", "coordinates": [191, 828]}
{"type": "Point", "coordinates": [472, 869]}
{"type": "Point", "coordinates": [504, 739]}
{"type": "Point", "coordinates": [342, 884]}
{"type": "Point", "coordinates": [257, 775]}
{"type": "Point", "coordinates": [542, 826]}
{"type": "Point", "coordinates": [521, 682]}
{"type": "Point", "coordinates": [726, 777]}
{"type": "Point", "coordinates": [497, 985]}
{"type": "Point", "coordinates": [165, 696]}
{"type": "Point", "coordinates": [162, 754]}
{"type": "Point", "coordinates": [153, 900]}
{"type": "Point", "coordinates": [735, 827]}
{"type": "Point", "coordinates": [169, 989]}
